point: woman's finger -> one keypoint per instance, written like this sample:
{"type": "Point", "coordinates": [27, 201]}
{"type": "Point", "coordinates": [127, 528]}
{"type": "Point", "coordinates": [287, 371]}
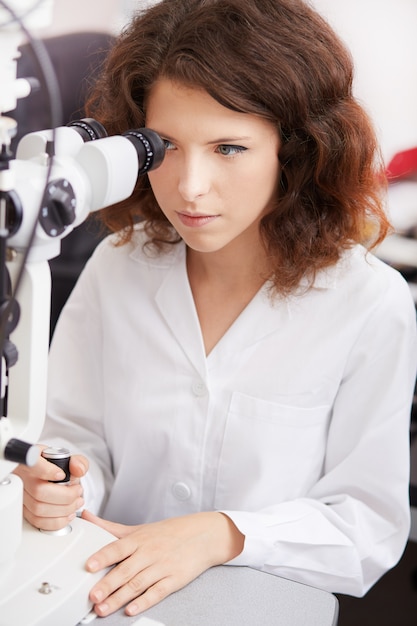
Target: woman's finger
{"type": "Point", "coordinates": [120, 586]}
{"type": "Point", "coordinates": [43, 493]}
{"type": "Point", "coordinates": [78, 465]}
{"type": "Point", "coordinates": [116, 552]}
{"type": "Point", "coordinates": [118, 530]}
{"type": "Point", "coordinates": [143, 590]}
{"type": "Point", "coordinates": [154, 594]}
{"type": "Point", "coordinates": [47, 523]}
{"type": "Point", "coordinates": [43, 470]}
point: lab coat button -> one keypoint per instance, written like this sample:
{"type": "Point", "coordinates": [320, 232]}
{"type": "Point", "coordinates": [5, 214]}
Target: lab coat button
{"type": "Point", "coordinates": [199, 388]}
{"type": "Point", "coordinates": [181, 491]}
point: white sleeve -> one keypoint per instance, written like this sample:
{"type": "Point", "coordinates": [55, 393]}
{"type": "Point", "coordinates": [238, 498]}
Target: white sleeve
{"type": "Point", "coordinates": [353, 524]}
{"type": "Point", "coordinates": [75, 395]}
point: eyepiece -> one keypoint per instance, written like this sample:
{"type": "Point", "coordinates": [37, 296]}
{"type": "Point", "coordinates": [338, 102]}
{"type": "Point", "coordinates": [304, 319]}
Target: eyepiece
{"type": "Point", "coordinates": [89, 129]}
{"type": "Point", "coordinates": [149, 147]}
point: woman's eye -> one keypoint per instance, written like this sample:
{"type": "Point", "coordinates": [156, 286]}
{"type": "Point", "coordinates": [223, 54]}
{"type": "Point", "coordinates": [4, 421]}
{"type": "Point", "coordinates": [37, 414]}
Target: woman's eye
{"type": "Point", "coordinates": [168, 144]}
{"type": "Point", "coordinates": [230, 150]}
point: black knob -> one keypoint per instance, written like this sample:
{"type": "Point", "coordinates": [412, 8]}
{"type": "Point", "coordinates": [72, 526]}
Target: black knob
{"type": "Point", "coordinates": [10, 309]}
{"type": "Point", "coordinates": [58, 207]}
{"type": "Point", "coordinates": [13, 210]}
{"type": "Point", "coordinates": [60, 457]}
{"type": "Point", "coordinates": [19, 451]}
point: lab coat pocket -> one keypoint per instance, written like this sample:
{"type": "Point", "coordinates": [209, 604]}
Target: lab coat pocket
{"type": "Point", "coordinates": [271, 452]}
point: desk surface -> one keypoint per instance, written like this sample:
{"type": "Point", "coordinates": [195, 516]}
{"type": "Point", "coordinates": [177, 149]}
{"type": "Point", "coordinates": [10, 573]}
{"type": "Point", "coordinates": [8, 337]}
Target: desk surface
{"type": "Point", "coordinates": [237, 596]}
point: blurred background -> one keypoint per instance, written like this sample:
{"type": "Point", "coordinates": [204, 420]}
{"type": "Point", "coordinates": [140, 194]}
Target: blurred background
{"type": "Point", "coordinates": [381, 35]}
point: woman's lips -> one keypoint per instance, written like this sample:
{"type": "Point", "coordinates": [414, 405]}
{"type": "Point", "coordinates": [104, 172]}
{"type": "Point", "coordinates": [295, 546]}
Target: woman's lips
{"type": "Point", "coordinates": [196, 221]}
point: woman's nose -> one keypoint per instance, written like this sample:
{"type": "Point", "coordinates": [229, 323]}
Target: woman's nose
{"type": "Point", "coordinates": [193, 179]}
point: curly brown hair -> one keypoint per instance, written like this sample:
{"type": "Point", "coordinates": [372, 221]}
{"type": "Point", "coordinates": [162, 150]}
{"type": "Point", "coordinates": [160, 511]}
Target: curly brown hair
{"type": "Point", "coordinates": [278, 59]}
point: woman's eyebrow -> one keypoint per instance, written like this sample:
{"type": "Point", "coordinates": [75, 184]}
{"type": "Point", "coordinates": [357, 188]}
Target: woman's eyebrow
{"type": "Point", "coordinates": [228, 140]}
{"type": "Point", "coordinates": [209, 143]}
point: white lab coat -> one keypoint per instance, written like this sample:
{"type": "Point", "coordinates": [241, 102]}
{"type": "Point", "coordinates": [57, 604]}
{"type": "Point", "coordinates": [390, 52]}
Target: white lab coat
{"type": "Point", "coordinates": [295, 425]}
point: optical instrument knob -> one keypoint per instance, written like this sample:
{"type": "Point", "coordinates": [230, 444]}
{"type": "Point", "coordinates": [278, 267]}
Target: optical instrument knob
{"type": "Point", "coordinates": [58, 209]}
{"type": "Point", "coordinates": [19, 451]}
{"type": "Point", "coordinates": [60, 457]}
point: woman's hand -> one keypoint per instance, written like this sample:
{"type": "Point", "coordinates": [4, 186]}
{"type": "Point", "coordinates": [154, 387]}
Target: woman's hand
{"type": "Point", "coordinates": [51, 506]}
{"type": "Point", "coordinates": [154, 560]}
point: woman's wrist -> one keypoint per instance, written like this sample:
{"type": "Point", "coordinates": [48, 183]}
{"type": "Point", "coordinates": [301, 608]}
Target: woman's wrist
{"type": "Point", "coordinates": [227, 540]}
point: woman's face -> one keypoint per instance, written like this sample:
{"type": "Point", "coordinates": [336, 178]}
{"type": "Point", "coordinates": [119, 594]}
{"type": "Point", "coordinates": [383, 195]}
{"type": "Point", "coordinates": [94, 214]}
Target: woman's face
{"type": "Point", "coordinates": [220, 172]}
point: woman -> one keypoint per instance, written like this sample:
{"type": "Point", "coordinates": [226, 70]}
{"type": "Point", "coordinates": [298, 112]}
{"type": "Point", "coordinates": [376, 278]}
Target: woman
{"type": "Point", "coordinates": [236, 369]}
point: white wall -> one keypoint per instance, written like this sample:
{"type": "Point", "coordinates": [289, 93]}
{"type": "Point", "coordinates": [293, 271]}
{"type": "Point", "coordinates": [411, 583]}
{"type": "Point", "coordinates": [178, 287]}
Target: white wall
{"type": "Point", "coordinates": [73, 15]}
{"type": "Point", "coordinates": [101, 15]}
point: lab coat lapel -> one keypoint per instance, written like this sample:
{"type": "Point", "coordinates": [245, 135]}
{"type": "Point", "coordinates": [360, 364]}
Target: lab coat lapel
{"type": "Point", "coordinates": [260, 318]}
{"type": "Point", "coordinates": [263, 316]}
{"type": "Point", "coordinates": [267, 314]}
{"type": "Point", "coordinates": [175, 302]}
